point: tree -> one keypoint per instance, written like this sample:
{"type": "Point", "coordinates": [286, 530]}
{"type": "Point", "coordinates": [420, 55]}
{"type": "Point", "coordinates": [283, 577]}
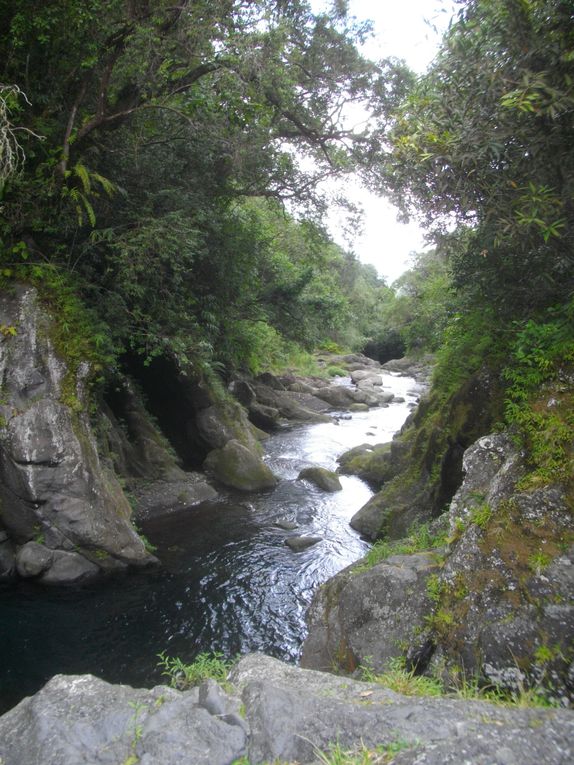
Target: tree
{"type": "Point", "coordinates": [486, 139]}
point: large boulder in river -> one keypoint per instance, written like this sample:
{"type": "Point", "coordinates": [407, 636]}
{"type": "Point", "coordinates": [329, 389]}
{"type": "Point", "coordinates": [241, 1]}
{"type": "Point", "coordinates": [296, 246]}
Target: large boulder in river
{"type": "Point", "coordinates": [321, 477]}
{"type": "Point", "coordinates": [238, 467]}
{"type": "Point", "coordinates": [53, 489]}
{"type": "Point", "coordinates": [272, 712]}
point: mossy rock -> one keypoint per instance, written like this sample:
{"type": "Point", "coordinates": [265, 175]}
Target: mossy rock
{"type": "Point", "coordinates": [238, 467]}
{"type": "Point", "coordinates": [321, 477]}
{"type": "Point", "coordinates": [373, 464]}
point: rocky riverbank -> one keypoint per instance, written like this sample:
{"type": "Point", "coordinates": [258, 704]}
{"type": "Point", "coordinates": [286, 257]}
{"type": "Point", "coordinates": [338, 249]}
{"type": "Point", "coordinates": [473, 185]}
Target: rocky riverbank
{"type": "Point", "coordinates": [272, 712]}
{"type": "Point", "coordinates": [73, 468]}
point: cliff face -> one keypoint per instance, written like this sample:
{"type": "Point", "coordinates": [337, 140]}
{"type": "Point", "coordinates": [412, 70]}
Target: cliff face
{"type": "Point", "coordinates": [494, 604]}
{"type": "Point", "coordinates": [63, 516]}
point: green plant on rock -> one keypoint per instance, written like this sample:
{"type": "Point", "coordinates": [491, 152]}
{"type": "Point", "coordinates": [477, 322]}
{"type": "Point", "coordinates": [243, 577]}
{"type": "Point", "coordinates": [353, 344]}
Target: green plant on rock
{"type": "Point", "coordinates": [420, 539]}
{"type": "Point", "coordinates": [205, 666]}
{"type": "Point", "coordinates": [397, 678]}
{"type": "Point", "coordinates": [480, 515]}
{"type": "Point", "coordinates": [381, 754]}
{"type": "Point", "coordinates": [538, 561]}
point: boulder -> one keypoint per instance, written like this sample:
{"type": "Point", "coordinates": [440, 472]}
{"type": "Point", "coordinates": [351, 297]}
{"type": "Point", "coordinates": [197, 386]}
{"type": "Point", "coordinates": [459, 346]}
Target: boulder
{"type": "Point", "coordinates": [373, 464]}
{"type": "Point", "coordinates": [238, 467]}
{"type": "Point", "coordinates": [300, 543]}
{"type": "Point", "coordinates": [68, 568]}
{"type": "Point", "coordinates": [52, 483]}
{"type": "Point", "coordinates": [159, 497]}
{"type": "Point", "coordinates": [272, 712]}
{"type": "Point", "coordinates": [301, 407]}
{"type": "Point", "coordinates": [367, 618]}
{"type": "Point", "coordinates": [81, 720]}
{"type": "Point", "coordinates": [337, 396]}
{"type": "Point", "coordinates": [33, 559]}
{"type": "Point", "coordinates": [321, 477]}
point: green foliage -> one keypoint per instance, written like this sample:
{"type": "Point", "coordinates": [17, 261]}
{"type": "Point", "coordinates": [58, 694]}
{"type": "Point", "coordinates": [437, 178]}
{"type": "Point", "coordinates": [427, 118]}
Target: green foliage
{"type": "Point", "coordinates": [397, 679]}
{"type": "Point", "coordinates": [205, 666]}
{"type": "Point", "coordinates": [480, 515]}
{"type": "Point", "coordinates": [485, 138]}
{"type": "Point", "coordinates": [420, 539]}
{"type": "Point", "coordinates": [538, 403]}
{"type": "Point", "coordinates": [363, 755]}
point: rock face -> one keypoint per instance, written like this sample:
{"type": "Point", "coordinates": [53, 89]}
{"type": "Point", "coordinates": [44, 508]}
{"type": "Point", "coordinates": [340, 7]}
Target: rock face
{"type": "Point", "coordinates": [273, 713]}
{"type": "Point", "coordinates": [54, 491]}
{"type": "Point", "coordinates": [507, 585]}
{"type": "Point", "coordinates": [368, 618]}
{"type": "Point", "coordinates": [502, 605]}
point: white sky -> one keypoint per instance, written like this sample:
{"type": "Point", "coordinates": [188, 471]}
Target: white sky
{"type": "Point", "coordinates": [411, 30]}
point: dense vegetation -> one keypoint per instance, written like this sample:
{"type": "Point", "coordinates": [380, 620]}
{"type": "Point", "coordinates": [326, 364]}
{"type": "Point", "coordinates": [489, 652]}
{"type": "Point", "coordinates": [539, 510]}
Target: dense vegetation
{"type": "Point", "coordinates": [150, 152]}
{"type": "Point", "coordinates": [160, 173]}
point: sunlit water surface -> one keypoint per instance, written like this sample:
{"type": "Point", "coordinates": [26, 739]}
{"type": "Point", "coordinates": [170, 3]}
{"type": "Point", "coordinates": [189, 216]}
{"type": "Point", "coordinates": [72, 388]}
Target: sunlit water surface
{"type": "Point", "coordinates": [228, 581]}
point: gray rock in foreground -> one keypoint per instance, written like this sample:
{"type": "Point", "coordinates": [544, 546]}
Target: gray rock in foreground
{"type": "Point", "coordinates": [276, 712]}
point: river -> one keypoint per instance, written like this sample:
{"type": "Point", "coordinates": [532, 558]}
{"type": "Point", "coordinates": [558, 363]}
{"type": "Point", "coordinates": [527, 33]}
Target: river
{"type": "Point", "coordinates": [228, 581]}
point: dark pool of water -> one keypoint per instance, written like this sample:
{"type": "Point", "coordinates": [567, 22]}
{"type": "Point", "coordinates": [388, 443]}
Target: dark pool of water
{"type": "Point", "coordinates": [228, 582]}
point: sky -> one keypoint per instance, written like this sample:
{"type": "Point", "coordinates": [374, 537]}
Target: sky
{"type": "Point", "coordinates": [411, 30]}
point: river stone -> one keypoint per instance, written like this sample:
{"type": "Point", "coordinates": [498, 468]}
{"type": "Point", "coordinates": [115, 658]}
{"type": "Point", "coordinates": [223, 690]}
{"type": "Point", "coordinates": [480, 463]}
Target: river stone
{"type": "Point", "coordinates": [321, 477]}
{"type": "Point", "coordinates": [236, 466]}
{"type": "Point", "coordinates": [264, 416]}
{"type": "Point", "coordinates": [160, 497]}
{"type": "Point", "coordinates": [337, 396]}
{"type": "Point", "coordinates": [359, 408]}
{"type": "Point", "coordinates": [301, 407]}
{"type": "Point", "coordinates": [69, 568]}
{"type": "Point", "coordinates": [367, 618]}
{"type": "Point", "coordinates": [33, 559]}
{"type": "Point", "coordinates": [286, 524]}
{"type": "Point", "coordinates": [298, 544]}
{"type": "Point", "coordinates": [359, 375]}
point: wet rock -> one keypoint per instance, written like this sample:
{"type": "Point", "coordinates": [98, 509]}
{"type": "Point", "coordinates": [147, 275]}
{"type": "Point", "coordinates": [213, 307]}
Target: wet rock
{"type": "Point", "coordinates": [159, 497]}
{"type": "Point", "coordinates": [298, 544]}
{"type": "Point", "coordinates": [33, 559]}
{"type": "Point", "coordinates": [286, 524]}
{"type": "Point", "coordinates": [69, 568]}
{"type": "Point", "coordinates": [321, 477]}
{"type": "Point", "coordinates": [236, 466]}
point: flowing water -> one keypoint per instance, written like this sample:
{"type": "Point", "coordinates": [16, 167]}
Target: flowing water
{"type": "Point", "coordinates": [228, 581]}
